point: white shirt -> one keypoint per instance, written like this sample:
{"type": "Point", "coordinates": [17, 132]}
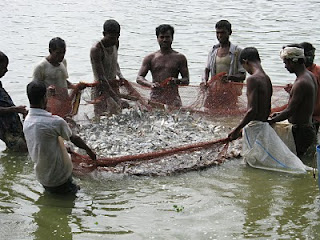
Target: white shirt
{"type": "Point", "coordinates": [51, 75]}
{"type": "Point", "coordinates": [42, 130]}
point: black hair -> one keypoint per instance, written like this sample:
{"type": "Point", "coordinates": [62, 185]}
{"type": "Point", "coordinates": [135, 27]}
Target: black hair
{"type": "Point", "coordinates": [251, 54]}
{"type": "Point", "coordinates": [36, 91]}
{"type": "Point", "coordinates": [3, 57]}
{"type": "Point", "coordinates": [56, 43]}
{"type": "Point", "coordinates": [111, 26]}
{"type": "Point", "coordinates": [224, 24]}
{"type": "Point", "coordinates": [164, 28]}
{"type": "Point", "coordinates": [307, 46]}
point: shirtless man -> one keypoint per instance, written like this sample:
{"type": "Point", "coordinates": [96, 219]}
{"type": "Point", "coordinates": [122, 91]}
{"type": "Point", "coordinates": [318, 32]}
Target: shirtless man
{"type": "Point", "coordinates": [302, 99]}
{"type": "Point", "coordinates": [105, 67]}
{"type": "Point", "coordinates": [259, 91]}
{"type": "Point", "coordinates": [224, 56]}
{"type": "Point", "coordinates": [165, 64]}
{"type": "Point", "coordinates": [309, 53]}
{"type": "Point", "coordinates": [10, 124]}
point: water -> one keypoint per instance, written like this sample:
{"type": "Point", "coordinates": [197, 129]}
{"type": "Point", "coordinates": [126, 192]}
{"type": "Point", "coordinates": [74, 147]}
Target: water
{"type": "Point", "coordinates": [231, 201]}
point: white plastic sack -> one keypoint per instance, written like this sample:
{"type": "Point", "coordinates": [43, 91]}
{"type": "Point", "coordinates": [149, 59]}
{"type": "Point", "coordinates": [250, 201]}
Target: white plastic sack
{"type": "Point", "coordinates": [284, 131]}
{"type": "Point", "coordinates": [263, 148]}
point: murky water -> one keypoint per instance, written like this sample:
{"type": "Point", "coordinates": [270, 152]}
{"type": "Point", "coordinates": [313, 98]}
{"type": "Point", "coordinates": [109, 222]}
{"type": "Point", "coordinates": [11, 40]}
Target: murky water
{"type": "Point", "coordinates": [231, 201]}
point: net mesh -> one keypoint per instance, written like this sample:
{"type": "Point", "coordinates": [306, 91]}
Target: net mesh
{"type": "Point", "coordinates": [218, 99]}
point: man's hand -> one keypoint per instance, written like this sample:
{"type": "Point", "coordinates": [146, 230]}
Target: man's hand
{"type": "Point", "coordinates": [288, 88]}
{"type": "Point", "coordinates": [155, 85]}
{"type": "Point", "coordinates": [92, 154]}
{"type": "Point", "coordinates": [80, 86]}
{"type": "Point", "coordinates": [51, 90]}
{"type": "Point", "coordinates": [122, 81]}
{"type": "Point", "coordinates": [225, 79]}
{"type": "Point", "coordinates": [235, 134]}
{"type": "Point", "coordinates": [21, 109]}
{"type": "Point", "coordinates": [203, 85]}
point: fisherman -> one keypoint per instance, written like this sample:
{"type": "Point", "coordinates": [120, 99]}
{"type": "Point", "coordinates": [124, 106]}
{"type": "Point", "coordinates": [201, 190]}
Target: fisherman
{"type": "Point", "coordinates": [10, 124]}
{"type": "Point", "coordinates": [224, 66]}
{"type": "Point", "coordinates": [165, 66]}
{"type": "Point", "coordinates": [309, 53]}
{"type": "Point", "coordinates": [262, 147]}
{"type": "Point", "coordinates": [44, 135]}
{"type": "Point", "coordinates": [105, 67]}
{"type": "Point", "coordinates": [52, 70]}
{"type": "Point", "coordinates": [301, 101]}
{"type": "Point", "coordinates": [259, 91]}
{"type": "Point", "coordinates": [224, 56]}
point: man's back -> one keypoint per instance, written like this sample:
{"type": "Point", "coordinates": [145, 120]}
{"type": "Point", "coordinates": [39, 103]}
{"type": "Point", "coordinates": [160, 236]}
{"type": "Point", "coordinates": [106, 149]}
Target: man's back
{"type": "Point", "coordinates": [263, 87]}
{"type": "Point", "coordinates": [42, 130]}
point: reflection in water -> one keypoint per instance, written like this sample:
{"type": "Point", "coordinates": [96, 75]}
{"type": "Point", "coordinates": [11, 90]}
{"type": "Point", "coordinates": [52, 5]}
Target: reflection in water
{"type": "Point", "coordinates": [54, 216]}
{"type": "Point", "coordinates": [258, 206]}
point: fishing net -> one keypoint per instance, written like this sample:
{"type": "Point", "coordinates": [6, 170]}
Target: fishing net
{"type": "Point", "coordinates": [217, 101]}
{"type": "Point", "coordinates": [154, 143]}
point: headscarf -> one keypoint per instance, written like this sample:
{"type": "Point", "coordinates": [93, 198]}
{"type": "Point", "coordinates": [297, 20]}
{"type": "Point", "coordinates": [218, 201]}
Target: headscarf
{"type": "Point", "coordinates": [293, 53]}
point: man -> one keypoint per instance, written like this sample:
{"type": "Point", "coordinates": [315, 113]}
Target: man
{"type": "Point", "coordinates": [262, 147]}
{"type": "Point", "coordinates": [105, 67]}
{"type": "Point", "coordinates": [224, 56]}
{"type": "Point", "coordinates": [52, 70]}
{"type": "Point", "coordinates": [10, 124]}
{"type": "Point", "coordinates": [301, 101]}
{"type": "Point", "coordinates": [259, 91]}
{"type": "Point", "coordinates": [165, 66]}
{"type": "Point", "coordinates": [224, 66]}
{"type": "Point", "coordinates": [309, 53]}
{"type": "Point", "coordinates": [44, 135]}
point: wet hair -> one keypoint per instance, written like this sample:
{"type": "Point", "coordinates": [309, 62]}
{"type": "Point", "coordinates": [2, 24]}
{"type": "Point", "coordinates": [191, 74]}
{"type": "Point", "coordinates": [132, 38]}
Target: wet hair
{"type": "Point", "coordinates": [3, 57]}
{"type": "Point", "coordinates": [111, 26]}
{"type": "Point", "coordinates": [307, 46]}
{"type": "Point", "coordinates": [56, 43]}
{"type": "Point", "coordinates": [164, 28]}
{"type": "Point", "coordinates": [36, 91]}
{"type": "Point", "coordinates": [251, 54]}
{"type": "Point", "coordinates": [224, 24]}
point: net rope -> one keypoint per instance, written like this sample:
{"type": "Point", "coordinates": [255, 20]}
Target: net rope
{"type": "Point", "coordinates": [216, 99]}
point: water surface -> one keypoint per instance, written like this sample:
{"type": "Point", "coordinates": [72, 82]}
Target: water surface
{"type": "Point", "coordinates": [231, 201]}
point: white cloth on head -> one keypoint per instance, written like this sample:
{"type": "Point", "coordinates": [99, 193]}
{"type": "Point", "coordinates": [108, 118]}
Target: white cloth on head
{"type": "Point", "coordinates": [293, 53]}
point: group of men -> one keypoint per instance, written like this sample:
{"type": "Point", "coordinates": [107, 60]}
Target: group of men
{"type": "Point", "coordinates": [44, 131]}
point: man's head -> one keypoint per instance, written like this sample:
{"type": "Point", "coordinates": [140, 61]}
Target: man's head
{"type": "Point", "coordinates": [4, 61]}
{"type": "Point", "coordinates": [309, 51]}
{"type": "Point", "coordinates": [292, 56]}
{"type": "Point", "coordinates": [249, 55]}
{"type": "Point", "coordinates": [36, 91]}
{"type": "Point", "coordinates": [111, 32]}
{"type": "Point", "coordinates": [223, 31]}
{"type": "Point", "coordinates": [164, 35]}
{"type": "Point", "coordinates": [57, 49]}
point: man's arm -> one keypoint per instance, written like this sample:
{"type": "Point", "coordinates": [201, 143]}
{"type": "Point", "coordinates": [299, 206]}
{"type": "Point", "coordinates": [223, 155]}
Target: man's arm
{"type": "Point", "coordinates": [252, 94]}
{"type": "Point", "coordinates": [239, 77]}
{"type": "Point", "coordinates": [145, 67]}
{"type": "Point", "coordinates": [76, 140]}
{"type": "Point", "coordinates": [293, 104]}
{"type": "Point", "coordinates": [184, 71]}
{"type": "Point", "coordinates": [14, 109]}
{"type": "Point", "coordinates": [96, 56]}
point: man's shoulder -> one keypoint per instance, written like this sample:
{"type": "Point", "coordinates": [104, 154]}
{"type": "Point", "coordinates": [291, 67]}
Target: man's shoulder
{"type": "Point", "coordinates": [43, 62]}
